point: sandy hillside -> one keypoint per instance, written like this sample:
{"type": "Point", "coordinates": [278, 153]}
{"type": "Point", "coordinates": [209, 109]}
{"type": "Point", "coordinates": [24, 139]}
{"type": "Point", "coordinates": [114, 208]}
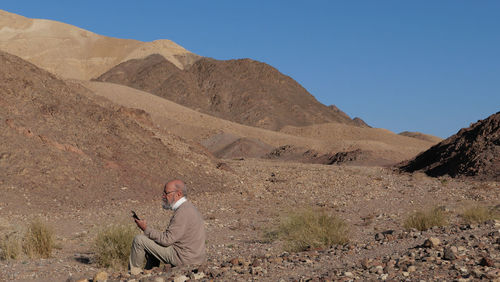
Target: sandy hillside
{"type": "Point", "coordinates": [422, 136]}
{"type": "Point", "coordinates": [332, 137]}
{"type": "Point", "coordinates": [370, 139]}
{"type": "Point", "coordinates": [72, 52]}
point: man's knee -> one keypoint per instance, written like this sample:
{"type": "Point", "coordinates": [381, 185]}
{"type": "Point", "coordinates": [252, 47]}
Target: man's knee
{"type": "Point", "coordinates": [139, 240]}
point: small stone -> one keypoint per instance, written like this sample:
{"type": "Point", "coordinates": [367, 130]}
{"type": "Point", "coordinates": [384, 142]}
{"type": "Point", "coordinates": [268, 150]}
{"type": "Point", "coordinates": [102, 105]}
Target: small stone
{"type": "Point", "coordinates": [477, 273]}
{"type": "Point", "coordinates": [450, 253]}
{"type": "Point", "coordinates": [238, 269]}
{"type": "Point", "coordinates": [181, 278]}
{"type": "Point", "coordinates": [256, 263]}
{"type": "Point", "coordinates": [379, 237]}
{"type": "Point", "coordinates": [485, 261]}
{"type": "Point", "coordinates": [159, 279]}
{"type": "Point", "coordinates": [390, 237]}
{"type": "Point", "coordinates": [276, 260]}
{"type": "Point", "coordinates": [431, 242]}
{"type": "Point", "coordinates": [135, 271]}
{"type": "Point", "coordinates": [412, 268]}
{"type": "Point", "coordinates": [199, 275]}
{"type": "Point", "coordinates": [256, 270]}
{"type": "Point", "coordinates": [497, 223]}
{"type": "Point", "coordinates": [406, 274]}
{"type": "Point", "coordinates": [234, 261]}
{"type": "Point", "coordinates": [348, 274]}
{"type": "Point", "coordinates": [100, 276]}
{"type": "Point", "coordinates": [493, 274]}
{"type": "Point", "coordinates": [156, 270]}
{"type": "Point", "coordinates": [365, 263]}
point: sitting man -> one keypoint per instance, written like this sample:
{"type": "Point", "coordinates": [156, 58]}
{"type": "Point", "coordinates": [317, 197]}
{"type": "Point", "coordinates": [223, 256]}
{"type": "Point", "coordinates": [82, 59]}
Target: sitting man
{"type": "Point", "coordinates": [182, 243]}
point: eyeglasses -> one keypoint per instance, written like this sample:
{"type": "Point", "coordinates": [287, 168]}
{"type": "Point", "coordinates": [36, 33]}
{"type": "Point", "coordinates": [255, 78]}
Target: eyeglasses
{"type": "Point", "coordinates": [166, 194]}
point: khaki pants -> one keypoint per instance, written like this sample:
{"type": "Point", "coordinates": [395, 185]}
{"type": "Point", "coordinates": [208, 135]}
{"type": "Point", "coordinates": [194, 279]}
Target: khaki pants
{"type": "Point", "coordinates": [143, 247]}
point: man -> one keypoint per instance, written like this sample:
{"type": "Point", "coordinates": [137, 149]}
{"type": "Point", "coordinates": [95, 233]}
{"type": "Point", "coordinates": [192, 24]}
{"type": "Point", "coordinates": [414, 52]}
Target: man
{"type": "Point", "coordinates": [182, 243]}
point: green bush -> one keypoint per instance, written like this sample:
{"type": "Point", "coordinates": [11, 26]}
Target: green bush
{"type": "Point", "coordinates": [423, 220]}
{"type": "Point", "coordinates": [112, 245]}
{"type": "Point", "coordinates": [10, 246]}
{"type": "Point", "coordinates": [38, 240]}
{"type": "Point", "coordinates": [310, 229]}
{"type": "Point", "coordinates": [480, 214]}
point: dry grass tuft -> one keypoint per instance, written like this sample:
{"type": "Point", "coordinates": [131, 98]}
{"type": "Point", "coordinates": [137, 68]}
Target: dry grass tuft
{"type": "Point", "coordinates": [310, 229]}
{"type": "Point", "coordinates": [38, 241]}
{"type": "Point", "coordinates": [423, 220]}
{"type": "Point", "coordinates": [112, 246]}
{"type": "Point", "coordinates": [480, 214]}
{"type": "Point", "coordinates": [10, 246]}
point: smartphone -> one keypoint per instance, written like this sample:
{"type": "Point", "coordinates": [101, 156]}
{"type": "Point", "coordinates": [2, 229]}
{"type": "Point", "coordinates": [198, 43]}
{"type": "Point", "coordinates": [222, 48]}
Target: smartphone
{"type": "Point", "coordinates": [134, 215]}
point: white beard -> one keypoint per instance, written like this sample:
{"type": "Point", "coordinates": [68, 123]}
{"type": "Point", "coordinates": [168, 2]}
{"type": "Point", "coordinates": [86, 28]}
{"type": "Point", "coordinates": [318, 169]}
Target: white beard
{"type": "Point", "coordinates": [165, 205]}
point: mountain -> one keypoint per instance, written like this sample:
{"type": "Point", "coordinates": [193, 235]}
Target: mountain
{"type": "Point", "coordinates": [243, 91]}
{"type": "Point", "coordinates": [218, 135]}
{"type": "Point", "coordinates": [421, 136]}
{"type": "Point", "coordinates": [70, 149]}
{"type": "Point", "coordinates": [473, 151]}
{"type": "Point", "coordinates": [72, 52]}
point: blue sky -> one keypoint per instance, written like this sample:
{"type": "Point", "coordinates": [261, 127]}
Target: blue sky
{"type": "Point", "coordinates": [427, 66]}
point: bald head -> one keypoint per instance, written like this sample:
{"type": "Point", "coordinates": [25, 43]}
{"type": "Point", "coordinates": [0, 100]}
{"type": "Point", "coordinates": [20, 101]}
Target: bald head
{"type": "Point", "coordinates": [177, 185]}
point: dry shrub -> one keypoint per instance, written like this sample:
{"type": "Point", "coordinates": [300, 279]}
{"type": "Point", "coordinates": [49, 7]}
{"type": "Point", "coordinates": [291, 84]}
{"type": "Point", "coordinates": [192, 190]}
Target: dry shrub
{"type": "Point", "coordinates": [112, 245]}
{"type": "Point", "coordinates": [480, 214]}
{"type": "Point", "coordinates": [38, 240]}
{"type": "Point", "coordinates": [423, 220]}
{"type": "Point", "coordinates": [10, 246]}
{"type": "Point", "coordinates": [310, 229]}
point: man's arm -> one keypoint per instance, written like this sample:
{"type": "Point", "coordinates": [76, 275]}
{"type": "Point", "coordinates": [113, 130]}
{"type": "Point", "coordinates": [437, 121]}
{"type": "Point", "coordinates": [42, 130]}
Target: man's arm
{"type": "Point", "coordinates": [141, 223]}
{"type": "Point", "coordinates": [174, 232]}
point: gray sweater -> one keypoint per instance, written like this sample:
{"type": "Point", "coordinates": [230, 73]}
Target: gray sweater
{"type": "Point", "coordinates": [185, 232]}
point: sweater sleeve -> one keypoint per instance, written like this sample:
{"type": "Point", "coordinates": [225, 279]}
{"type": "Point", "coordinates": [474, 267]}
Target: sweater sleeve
{"type": "Point", "coordinates": [174, 232]}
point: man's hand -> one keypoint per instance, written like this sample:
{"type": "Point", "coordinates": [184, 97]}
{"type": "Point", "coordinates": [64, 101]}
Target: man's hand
{"type": "Point", "coordinates": [141, 224]}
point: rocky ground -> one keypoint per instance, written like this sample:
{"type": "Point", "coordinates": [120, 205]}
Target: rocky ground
{"type": "Point", "coordinates": [459, 252]}
{"type": "Point", "coordinates": [373, 201]}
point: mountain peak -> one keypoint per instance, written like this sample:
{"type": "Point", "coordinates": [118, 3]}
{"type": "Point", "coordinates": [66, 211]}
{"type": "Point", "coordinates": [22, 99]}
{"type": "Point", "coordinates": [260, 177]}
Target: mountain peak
{"type": "Point", "coordinates": [71, 52]}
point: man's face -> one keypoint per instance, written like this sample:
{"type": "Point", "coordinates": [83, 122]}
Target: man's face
{"type": "Point", "coordinates": [169, 196]}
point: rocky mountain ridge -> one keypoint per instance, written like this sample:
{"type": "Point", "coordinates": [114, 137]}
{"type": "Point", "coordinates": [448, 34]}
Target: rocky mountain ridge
{"type": "Point", "coordinates": [243, 91]}
{"type": "Point", "coordinates": [473, 151]}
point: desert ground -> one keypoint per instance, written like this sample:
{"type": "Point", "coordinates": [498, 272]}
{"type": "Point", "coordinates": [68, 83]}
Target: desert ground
{"type": "Point", "coordinates": [80, 154]}
{"type": "Point", "coordinates": [371, 200]}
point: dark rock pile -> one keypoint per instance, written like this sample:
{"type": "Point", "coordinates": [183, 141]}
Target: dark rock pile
{"type": "Point", "coordinates": [473, 151]}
